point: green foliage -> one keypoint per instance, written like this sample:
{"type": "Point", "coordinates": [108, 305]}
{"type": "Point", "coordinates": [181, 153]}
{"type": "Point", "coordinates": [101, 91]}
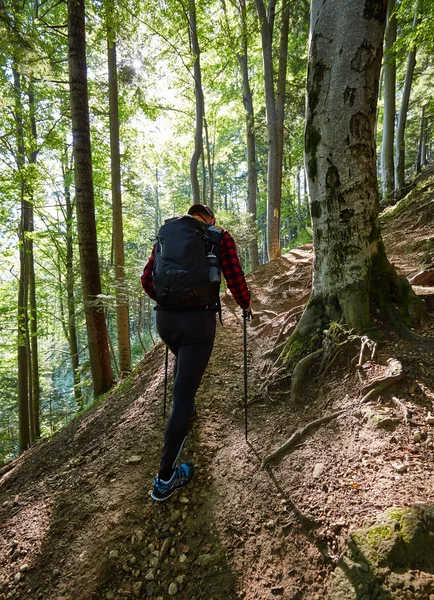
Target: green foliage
{"type": "Point", "coordinates": [156, 111]}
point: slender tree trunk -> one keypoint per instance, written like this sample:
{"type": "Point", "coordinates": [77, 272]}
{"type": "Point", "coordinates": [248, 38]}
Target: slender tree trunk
{"type": "Point", "coordinates": [299, 215]}
{"type": "Point", "coordinates": [280, 102]}
{"type": "Point", "coordinates": [402, 118]}
{"type": "Point", "coordinates": [23, 363]}
{"type": "Point", "coordinates": [70, 286]}
{"type": "Point", "coordinates": [157, 202]}
{"type": "Point", "coordinates": [351, 272]}
{"type": "Point", "coordinates": [420, 146]}
{"type": "Point", "coordinates": [198, 143]}
{"type": "Point", "coordinates": [389, 70]}
{"type": "Point", "coordinates": [36, 390]}
{"type": "Point", "coordinates": [266, 20]}
{"type": "Point", "coordinates": [102, 376]}
{"type": "Point", "coordinates": [252, 176]}
{"type": "Point", "coordinates": [424, 149]}
{"type": "Point", "coordinates": [122, 308]}
{"type": "Point", "coordinates": [208, 158]}
{"type": "Point", "coordinates": [202, 158]}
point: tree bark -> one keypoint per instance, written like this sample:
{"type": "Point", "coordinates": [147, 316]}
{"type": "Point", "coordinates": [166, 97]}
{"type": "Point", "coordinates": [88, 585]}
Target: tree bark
{"type": "Point", "coordinates": [252, 176]}
{"type": "Point", "coordinates": [351, 272]}
{"type": "Point", "coordinates": [402, 118]}
{"type": "Point", "coordinates": [102, 376]}
{"type": "Point", "coordinates": [198, 142]}
{"type": "Point", "coordinates": [208, 162]}
{"type": "Point", "coordinates": [420, 146]}
{"type": "Point", "coordinates": [280, 104]}
{"type": "Point", "coordinates": [389, 76]}
{"type": "Point", "coordinates": [35, 385]}
{"type": "Point", "coordinates": [70, 286]}
{"type": "Point", "coordinates": [122, 307]}
{"type": "Point", "coordinates": [23, 285]}
{"type": "Point", "coordinates": [266, 20]}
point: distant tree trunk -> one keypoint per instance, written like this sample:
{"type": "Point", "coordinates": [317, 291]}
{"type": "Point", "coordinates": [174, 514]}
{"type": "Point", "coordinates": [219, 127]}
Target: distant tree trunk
{"type": "Point", "coordinates": [198, 143]}
{"type": "Point", "coordinates": [280, 104]}
{"type": "Point", "coordinates": [299, 215]}
{"type": "Point", "coordinates": [102, 376]}
{"type": "Point", "coordinates": [157, 202]}
{"type": "Point", "coordinates": [122, 308]}
{"type": "Point", "coordinates": [389, 72]}
{"type": "Point", "coordinates": [70, 286]}
{"type": "Point", "coordinates": [266, 20]}
{"type": "Point", "coordinates": [252, 176]}
{"type": "Point", "coordinates": [402, 118]}
{"type": "Point", "coordinates": [352, 275]}
{"type": "Point", "coordinates": [424, 152]}
{"type": "Point", "coordinates": [208, 159]}
{"type": "Point", "coordinates": [203, 176]}
{"type": "Point", "coordinates": [24, 413]}
{"type": "Point", "coordinates": [35, 386]}
{"type": "Point", "coordinates": [420, 146]}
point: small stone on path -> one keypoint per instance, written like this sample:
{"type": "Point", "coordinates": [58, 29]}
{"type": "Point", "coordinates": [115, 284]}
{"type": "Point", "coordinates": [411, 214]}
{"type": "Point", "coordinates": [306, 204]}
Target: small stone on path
{"type": "Point", "coordinates": [173, 588]}
{"type": "Point", "coordinates": [318, 470]}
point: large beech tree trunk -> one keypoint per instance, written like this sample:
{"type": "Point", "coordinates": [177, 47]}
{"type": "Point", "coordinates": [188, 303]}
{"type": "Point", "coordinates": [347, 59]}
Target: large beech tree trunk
{"type": "Point", "coordinates": [389, 70]}
{"type": "Point", "coordinates": [351, 271]}
{"type": "Point", "coordinates": [122, 309]}
{"type": "Point", "coordinates": [102, 376]}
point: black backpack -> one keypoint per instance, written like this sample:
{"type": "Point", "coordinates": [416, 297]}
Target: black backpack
{"type": "Point", "coordinates": [187, 253]}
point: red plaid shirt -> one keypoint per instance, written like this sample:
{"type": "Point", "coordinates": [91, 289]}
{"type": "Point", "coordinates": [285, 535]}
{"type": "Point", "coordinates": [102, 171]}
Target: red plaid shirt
{"type": "Point", "coordinates": [230, 265]}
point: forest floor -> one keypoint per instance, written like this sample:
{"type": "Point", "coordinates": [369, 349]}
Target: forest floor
{"type": "Point", "coordinates": [76, 518]}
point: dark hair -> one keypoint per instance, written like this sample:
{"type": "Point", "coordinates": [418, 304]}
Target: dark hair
{"type": "Point", "coordinates": [200, 209]}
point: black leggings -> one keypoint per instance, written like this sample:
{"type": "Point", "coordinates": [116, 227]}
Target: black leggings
{"type": "Point", "coordinates": [190, 336]}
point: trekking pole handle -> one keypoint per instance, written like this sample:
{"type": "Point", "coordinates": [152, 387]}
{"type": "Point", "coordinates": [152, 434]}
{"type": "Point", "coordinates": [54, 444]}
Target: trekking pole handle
{"type": "Point", "coordinates": [248, 315]}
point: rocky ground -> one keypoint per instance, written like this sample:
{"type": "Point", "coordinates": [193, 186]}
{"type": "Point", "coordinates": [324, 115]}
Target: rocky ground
{"type": "Point", "coordinates": [76, 519]}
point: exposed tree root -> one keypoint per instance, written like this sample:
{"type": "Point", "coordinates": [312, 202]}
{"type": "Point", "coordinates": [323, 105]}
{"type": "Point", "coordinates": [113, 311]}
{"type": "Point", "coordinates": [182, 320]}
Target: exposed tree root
{"type": "Point", "coordinates": [301, 370]}
{"type": "Point", "coordinates": [374, 388]}
{"type": "Point", "coordinates": [402, 408]}
{"type": "Point", "coordinates": [294, 312]}
{"type": "Point", "coordinates": [408, 334]}
{"type": "Point", "coordinates": [367, 344]}
{"type": "Point", "coordinates": [298, 435]}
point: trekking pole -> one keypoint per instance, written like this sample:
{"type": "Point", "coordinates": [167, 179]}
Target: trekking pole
{"type": "Point", "coordinates": [246, 316]}
{"type": "Point", "coordinates": [165, 381]}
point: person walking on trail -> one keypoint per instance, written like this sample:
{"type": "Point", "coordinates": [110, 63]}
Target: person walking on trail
{"type": "Point", "coordinates": [183, 276]}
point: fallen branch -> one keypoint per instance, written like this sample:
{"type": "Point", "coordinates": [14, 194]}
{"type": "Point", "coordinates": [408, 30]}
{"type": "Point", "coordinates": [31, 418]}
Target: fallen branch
{"type": "Point", "coordinates": [298, 434]}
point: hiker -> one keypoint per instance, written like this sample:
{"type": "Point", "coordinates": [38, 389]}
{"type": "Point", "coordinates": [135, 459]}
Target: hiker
{"type": "Point", "coordinates": [186, 318]}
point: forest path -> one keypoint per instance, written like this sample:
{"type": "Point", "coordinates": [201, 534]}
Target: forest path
{"type": "Point", "coordinates": [76, 518]}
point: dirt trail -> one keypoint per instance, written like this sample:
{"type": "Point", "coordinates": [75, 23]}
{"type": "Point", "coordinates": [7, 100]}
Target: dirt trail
{"type": "Point", "coordinates": [77, 522]}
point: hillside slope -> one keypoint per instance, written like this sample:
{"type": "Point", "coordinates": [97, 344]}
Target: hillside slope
{"type": "Point", "coordinates": [77, 522]}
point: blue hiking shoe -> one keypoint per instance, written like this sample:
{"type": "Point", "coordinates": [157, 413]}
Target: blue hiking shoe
{"type": "Point", "coordinates": [180, 478]}
{"type": "Point", "coordinates": [194, 413]}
